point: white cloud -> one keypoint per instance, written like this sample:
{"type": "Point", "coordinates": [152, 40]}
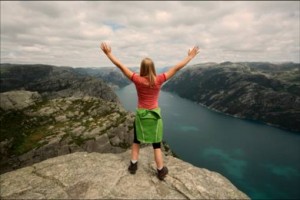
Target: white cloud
{"type": "Point", "coordinates": [69, 33]}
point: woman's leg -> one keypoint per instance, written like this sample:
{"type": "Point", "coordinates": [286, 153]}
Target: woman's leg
{"type": "Point", "coordinates": [135, 148]}
{"type": "Point", "coordinates": [134, 154]}
{"type": "Point", "coordinates": [162, 170]}
{"type": "Point", "coordinates": [158, 158]}
{"type": "Point", "coordinates": [135, 151]}
{"type": "Point", "coordinates": [158, 155]}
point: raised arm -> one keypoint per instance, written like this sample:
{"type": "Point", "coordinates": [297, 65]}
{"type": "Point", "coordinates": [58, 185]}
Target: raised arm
{"type": "Point", "coordinates": [107, 50]}
{"type": "Point", "coordinates": [191, 54]}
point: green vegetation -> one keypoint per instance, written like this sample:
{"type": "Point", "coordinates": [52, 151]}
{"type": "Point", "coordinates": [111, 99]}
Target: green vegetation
{"type": "Point", "coordinates": [79, 140]}
{"type": "Point", "coordinates": [24, 131]}
{"type": "Point", "coordinates": [292, 76]}
{"type": "Point", "coordinates": [3, 70]}
{"type": "Point", "coordinates": [86, 107]}
{"type": "Point", "coordinates": [66, 135]}
{"type": "Point", "coordinates": [28, 129]}
{"type": "Point", "coordinates": [12, 128]}
{"type": "Point", "coordinates": [130, 127]}
{"type": "Point", "coordinates": [120, 120]}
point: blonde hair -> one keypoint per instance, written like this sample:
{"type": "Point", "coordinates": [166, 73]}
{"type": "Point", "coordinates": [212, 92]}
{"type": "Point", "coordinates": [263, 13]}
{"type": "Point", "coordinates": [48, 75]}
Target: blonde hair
{"type": "Point", "coordinates": [148, 70]}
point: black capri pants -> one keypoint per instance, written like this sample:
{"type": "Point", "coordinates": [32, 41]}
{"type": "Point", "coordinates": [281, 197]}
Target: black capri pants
{"type": "Point", "coordinates": [154, 145]}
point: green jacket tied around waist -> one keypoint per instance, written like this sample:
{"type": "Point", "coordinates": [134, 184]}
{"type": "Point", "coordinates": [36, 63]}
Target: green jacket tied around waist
{"type": "Point", "coordinates": [149, 126]}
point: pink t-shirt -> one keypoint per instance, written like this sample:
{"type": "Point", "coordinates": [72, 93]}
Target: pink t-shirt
{"type": "Point", "coordinates": [148, 96]}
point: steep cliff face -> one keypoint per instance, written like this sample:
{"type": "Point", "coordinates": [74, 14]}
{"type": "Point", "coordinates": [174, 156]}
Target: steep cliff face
{"type": "Point", "coordinates": [36, 129]}
{"type": "Point", "coordinates": [53, 82]}
{"type": "Point", "coordinates": [83, 175]}
{"type": "Point", "coordinates": [258, 91]}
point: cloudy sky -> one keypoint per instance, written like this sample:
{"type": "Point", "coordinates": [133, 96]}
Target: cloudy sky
{"type": "Point", "coordinates": [69, 33]}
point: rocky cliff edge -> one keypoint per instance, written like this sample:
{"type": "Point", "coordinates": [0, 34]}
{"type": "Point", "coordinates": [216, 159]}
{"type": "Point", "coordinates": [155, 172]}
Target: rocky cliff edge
{"type": "Point", "coordinates": [33, 130]}
{"type": "Point", "coordinates": [83, 175]}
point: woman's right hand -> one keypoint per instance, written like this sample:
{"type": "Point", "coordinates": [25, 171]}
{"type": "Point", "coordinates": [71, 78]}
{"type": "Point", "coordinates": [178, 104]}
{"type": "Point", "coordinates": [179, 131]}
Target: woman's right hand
{"type": "Point", "coordinates": [193, 52]}
{"type": "Point", "coordinates": [105, 48]}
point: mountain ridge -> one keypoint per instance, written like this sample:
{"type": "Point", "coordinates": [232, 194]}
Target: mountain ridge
{"type": "Point", "coordinates": [245, 90]}
{"type": "Point", "coordinates": [51, 81]}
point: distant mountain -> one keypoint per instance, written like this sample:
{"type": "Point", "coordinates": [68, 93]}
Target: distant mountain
{"type": "Point", "coordinates": [111, 75]}
{"type": "Point", "coordinates": [265, 92]}
{"type": "Point", "coordinates": [51, 81]}
{"type": "Point", "coordinates": [162, 70]}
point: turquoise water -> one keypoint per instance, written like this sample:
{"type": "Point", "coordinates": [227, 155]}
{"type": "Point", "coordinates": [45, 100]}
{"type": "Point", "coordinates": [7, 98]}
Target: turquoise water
{"type": "Point", "coordinates": [260, 160]}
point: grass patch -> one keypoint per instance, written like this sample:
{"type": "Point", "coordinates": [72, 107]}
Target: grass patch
{"type": "Point", "coordinates": [64, 137]}
{"type": "Point", "coordinates": [32, 140]}
{"type": "Point", "coordinates": [130, 127]}
{"type": "Point", "coordinates": [11, 124]}
{"type": "Point", "coordinates": [87, 106]}
{"type": "Point", "coordinates": [3, 70]}
{"type": "Point", "coordinates": [38, 105]}
{"type": "Point", "coordinates": [25, 131]}
{"type": "Point", "coordinates": [119, 121]}
{"type": "Point", "coordinates": [78, 140]}
{"type": "Point", "coordinates": [42, 144]}
{"type": "Point", "coordinates": [60, 125]}
{"type": "Point", "coordinates": [87, 123]}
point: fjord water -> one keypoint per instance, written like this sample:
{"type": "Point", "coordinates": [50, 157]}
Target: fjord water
{"type": "Point", "coordinates": [260, 160]}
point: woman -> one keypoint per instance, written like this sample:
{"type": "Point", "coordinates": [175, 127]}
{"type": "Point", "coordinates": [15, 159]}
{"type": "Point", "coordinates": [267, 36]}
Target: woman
{"type": "Point", "coordinates": [148, 85]}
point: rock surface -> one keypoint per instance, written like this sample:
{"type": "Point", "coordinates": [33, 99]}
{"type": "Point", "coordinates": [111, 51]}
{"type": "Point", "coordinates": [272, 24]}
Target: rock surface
{"type": "Point", "coordinates": [60, 126]}
{"type": "Point", "coordinates": [83, 175]}
{"type": "Point", "coordinates": [17, 100]}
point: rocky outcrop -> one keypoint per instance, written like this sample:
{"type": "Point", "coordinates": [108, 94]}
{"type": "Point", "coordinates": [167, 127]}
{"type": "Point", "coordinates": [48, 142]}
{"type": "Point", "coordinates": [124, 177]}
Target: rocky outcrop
{"type": "Point", "coordinates": [266, 92]}
{"type": "Point", "coordinates": [17, 100]}
{"type": "Point", "coordinates": [53, 82]}
{"type": "Point", "coordinates": [83, 175]}
{"type": "Point", "coordinates": [60, 126]}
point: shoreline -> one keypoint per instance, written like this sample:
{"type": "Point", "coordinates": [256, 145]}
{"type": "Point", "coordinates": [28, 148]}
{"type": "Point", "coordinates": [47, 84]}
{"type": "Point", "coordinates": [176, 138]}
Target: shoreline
{"type": "Point", "coordinates": [294, 131]}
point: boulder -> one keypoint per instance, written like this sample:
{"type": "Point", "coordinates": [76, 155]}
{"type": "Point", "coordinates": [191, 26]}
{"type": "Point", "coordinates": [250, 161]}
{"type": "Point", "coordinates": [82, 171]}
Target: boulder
{"type": "Point", "coordinates": [17, 100]}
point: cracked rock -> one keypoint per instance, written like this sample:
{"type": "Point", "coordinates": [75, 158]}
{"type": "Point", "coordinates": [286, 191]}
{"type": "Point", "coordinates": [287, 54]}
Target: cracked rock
{"type": "Point", "coordinates": [83, 175]}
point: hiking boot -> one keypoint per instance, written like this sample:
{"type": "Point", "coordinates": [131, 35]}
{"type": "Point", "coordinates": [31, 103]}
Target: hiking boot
{"type": "Point", "coordinates": [161, 174]}
{"type": "Point", "coordinates": [132, 167]}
